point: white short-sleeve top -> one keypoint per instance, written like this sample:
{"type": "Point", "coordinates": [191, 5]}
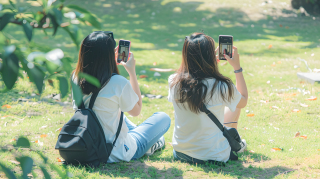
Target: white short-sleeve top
{"type": "Point", "coordinates": [118, 95]}
{"type": "Point", "coordinates": [195, 134]}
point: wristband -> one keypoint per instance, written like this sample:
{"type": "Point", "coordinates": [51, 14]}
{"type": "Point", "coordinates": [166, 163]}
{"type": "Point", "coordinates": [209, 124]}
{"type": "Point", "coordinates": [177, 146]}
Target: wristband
{"type": "Point", "coordinates": [238, 71]}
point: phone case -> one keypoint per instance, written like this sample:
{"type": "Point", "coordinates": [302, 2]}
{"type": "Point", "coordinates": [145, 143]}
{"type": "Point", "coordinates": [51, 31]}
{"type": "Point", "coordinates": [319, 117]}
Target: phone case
{"type": "Point", "coordinates": [221, 57]}
{"type": "Point", "coordinates": [128, 51]}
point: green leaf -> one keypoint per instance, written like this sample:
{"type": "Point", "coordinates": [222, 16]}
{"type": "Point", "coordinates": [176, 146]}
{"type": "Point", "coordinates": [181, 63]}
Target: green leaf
{"type": "Point", "coordinates": [74, 33]}
{"type": "Point", "coordinates": [36, 75]}
{"type": "Point", "coordinates": [5, 19]}
{"type": "Point", "coordinates": [66, 63]}
{"type": "Point", "coordinates": [26, 164]}
{"type": "Point", "coordinates": [12, 4]}
{"type": "Point", "coordinates": [10, 70]}
{"type": "Point", "coordinates": [89, 17]}
{"type": "Point", "coordinates": [90, 79]}
{"type": "Point", "coordinates": [54, 22]}
{"type": "Point", "coordinates": [80, 9]}
{"type": "Point", "coordinates": [27, 29]}
{"type": "Point", "coordinates": [92, 20]}
{"type": "Point", "coordinates": [64, 86]}
{"type": "Point", "coordinates": [58, 15]}
{"type": "Point", "coordinates": [7, 171]}
{"type": "Point", "coordinates": [76, 93]}
{"type": "Point", "coordinates": [51, 67]}
{"type": "Point", "coordinates": [45, 173]}
{"type": "Point", "coordinates": [23, 142]}
{"type": "Point", "coordinates": [8, 50]}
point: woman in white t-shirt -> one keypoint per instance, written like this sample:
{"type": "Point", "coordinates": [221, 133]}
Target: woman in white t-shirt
{"type": "Point", "coordinates": [198, 81]}
{"type": "Point", "coordinates": [97, 57]}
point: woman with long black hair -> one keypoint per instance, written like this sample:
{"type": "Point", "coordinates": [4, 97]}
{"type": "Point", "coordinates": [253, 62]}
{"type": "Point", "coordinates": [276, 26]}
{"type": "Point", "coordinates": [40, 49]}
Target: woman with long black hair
{"type": "Point", "coordinates": [97, 58]}
{"type": "Point", "coordinates": [198, 82]}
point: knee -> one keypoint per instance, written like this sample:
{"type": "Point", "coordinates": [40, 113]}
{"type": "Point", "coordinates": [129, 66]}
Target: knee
{"type": "Point", "coordinates": [165, 119]}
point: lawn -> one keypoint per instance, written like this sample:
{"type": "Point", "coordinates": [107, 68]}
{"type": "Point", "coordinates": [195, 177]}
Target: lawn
{"type": "Point", "coordinates": [270, 36]}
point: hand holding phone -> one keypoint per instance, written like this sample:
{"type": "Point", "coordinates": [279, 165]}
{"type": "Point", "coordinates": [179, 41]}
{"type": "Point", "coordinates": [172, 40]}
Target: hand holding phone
{"type": "Point", "coordinates": [225, 46]}
{"type": "Point", "coordinates": [235, 61]}
{"type": "Point", "coordinates": [130, 66]}
{"type": "Point", "coordinates": [123, 51]}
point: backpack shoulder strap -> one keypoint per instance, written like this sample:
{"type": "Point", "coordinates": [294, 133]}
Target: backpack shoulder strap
{"type": "Point", "coordinates": [119, 128]}
{"type": "Point", "coordinates": [212, 117]}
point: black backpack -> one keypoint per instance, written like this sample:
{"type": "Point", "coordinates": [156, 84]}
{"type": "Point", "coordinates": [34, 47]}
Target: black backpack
{"type": "Point", "coordinates": [82, 140]}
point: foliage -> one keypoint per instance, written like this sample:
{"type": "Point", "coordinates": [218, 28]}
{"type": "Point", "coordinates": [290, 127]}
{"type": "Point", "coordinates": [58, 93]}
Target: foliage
{"type": "Point", "coordinates": [40, 66]}
{"type": "Point", "coordinates": [311, 6]}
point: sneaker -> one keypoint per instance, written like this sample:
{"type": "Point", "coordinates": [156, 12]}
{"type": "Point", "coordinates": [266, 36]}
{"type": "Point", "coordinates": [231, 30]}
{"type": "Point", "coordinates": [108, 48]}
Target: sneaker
{"type": "Point", "coordinates": [160, 144]}
{"type": "Point", "coordinates": [244, 146]}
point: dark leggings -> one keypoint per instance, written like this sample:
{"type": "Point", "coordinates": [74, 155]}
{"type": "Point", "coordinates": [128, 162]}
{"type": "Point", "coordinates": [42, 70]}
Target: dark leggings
{"type": "Point", "coordinates": [186, 158]}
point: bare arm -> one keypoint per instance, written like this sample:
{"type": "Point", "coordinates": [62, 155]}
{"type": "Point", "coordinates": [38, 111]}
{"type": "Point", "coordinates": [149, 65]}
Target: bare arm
{"type": "Point", "coordinates": [130, 67]}
{"type": "Point", "coordinates": [240, 82]}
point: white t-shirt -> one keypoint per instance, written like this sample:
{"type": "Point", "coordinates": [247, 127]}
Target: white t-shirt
{"type": "Point", "coordinates": [195, 134]}
{"type": "Point", "coordinates": [117, 95]}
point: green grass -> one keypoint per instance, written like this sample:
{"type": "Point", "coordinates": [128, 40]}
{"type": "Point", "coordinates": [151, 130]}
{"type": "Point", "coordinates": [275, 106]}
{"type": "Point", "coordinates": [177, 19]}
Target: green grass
{"type": "Point", "coordinates": [157, 30]}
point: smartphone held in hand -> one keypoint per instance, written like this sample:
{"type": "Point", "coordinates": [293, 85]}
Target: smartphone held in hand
{"type": "Point", "coordinates": [225, 46]}
{"type": "Point", "coordinates": [123, 51]}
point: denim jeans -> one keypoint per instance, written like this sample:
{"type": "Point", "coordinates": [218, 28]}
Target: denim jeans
{"type": "Point", "coordinates": [149, 132]}
{"type": "Point", "coordinates": [186, 158]}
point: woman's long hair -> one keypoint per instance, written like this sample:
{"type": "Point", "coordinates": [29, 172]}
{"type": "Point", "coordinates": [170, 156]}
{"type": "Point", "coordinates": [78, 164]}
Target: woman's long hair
{"type": "Point", "coordinates": [96, 58]}
{"type": "Point", "coordinates": [198, 63]}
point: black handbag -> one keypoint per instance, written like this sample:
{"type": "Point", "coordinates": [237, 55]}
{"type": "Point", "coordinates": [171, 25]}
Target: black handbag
{"type": "Point", "coordinates": [231, 134]}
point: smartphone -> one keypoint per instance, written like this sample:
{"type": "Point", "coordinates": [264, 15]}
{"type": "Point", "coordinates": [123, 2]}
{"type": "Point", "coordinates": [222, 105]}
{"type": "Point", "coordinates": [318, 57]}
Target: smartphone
{"type": "Point", "coordinates": [225, 46]}
{"type": "Point", "coordinates": [123, 51]}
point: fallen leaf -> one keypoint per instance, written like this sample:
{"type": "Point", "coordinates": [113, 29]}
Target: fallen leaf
{"type": "Point", "coordinates": [263, 145]}
{"type": "Point", "coordinates": [154, 63]}
{"type": "Point", "coordinates": [304, 105]}
{"type": "Point", "coordinates": [6, 106]}
{"type": "Point", "coordinates": [318, 149]}
{"type": "Point", "coordinates": [250, 74]}
{"type": "Point", "coordinates": [245, 128]}
{"type": "Point", "coordinates": [250, 115]}
{"type": "Point", "coordinates": [268, 82]}
{"type": "Point", "coordinates": [162, 70]}
{"type": "Point", "coordinates": [270, 46]}
{"type": "Point", "coordinates": [273, 65]}
{"type": "Point", "coordinates": [170, 144]}
{"type": "Point", "coordinates": [297, 134]}
{"type": "Point", "coordinates": [280, 25]}
{"type": "Point", "coordinates": [303, 136]}
{"type": "Point", "coordinates": [36, 141]}
{"type": "Point", "coordinates": [274, 107]}
{"type": "Point", "coordinates": [287, 27]}
{"type": "Point", "coordinates": [279, 62]}
{"type": "Point", "coordinates": [276, 149]}
{"type": "Point", "coordinates": [251, 151]}
{"type": "Point", "coordinates": [12, 140]}
{"type": "Point", "coordinates": [14, 161]}
{"type": "Point", "coordinates": [312, 98]}
{"type": "Point", "coordinates": [43, 135]}
{"type": "Point", "coordinates": [143, 76]}
{"type": "Point", "coordinates": [296, 110]}
{"type": "Point", "coordinates": [59, 160]}
{"type": "Point", "coordinates": [59, 129]}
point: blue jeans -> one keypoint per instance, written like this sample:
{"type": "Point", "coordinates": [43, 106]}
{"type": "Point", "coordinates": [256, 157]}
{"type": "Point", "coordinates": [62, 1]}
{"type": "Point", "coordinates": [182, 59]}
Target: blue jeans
{"type": "Point", "coordinates": [149, 132]}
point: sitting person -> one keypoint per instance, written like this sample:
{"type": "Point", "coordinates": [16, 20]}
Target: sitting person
{"type": "Point", "coordinates": [196, 137]}
{"type": "Point", "coordinates": [97, 58]}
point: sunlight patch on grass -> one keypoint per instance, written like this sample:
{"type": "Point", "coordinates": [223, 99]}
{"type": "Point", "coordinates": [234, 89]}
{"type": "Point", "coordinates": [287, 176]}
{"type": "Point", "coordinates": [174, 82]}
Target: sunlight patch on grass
{"type": "Point", "coordinates": [142, 45]}
{"type": "Point", "coordinates": [158, 27]}
{"type": "Point", "coordinates": [134, 15]}
{"type": "Point", "coordinates": [188, 25]}
{"type": "Point", "coordinates": [107, 5]}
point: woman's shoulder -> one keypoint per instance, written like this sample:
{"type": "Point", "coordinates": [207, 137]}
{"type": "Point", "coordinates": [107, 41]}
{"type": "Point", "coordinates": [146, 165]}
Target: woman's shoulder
{"type": "Point", "coordinates": [171, 77]}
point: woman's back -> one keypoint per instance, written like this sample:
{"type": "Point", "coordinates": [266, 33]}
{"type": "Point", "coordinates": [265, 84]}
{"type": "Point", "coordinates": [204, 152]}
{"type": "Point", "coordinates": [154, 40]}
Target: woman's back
{"type": "Point", "coordinates": [195, 134]}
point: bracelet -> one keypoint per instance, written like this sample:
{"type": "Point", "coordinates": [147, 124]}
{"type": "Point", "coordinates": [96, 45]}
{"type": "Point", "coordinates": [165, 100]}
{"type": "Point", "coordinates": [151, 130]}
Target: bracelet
{"type": "Point", "coordinates": [238, 71]}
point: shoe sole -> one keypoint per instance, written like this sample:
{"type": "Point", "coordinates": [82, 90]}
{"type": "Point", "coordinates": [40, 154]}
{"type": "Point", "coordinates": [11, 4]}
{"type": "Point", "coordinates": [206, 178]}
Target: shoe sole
{"type": "Point", "coordinates": [164, 146]}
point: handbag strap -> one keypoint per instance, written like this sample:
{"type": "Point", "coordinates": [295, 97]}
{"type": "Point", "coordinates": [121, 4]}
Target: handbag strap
{"type": "Point", "coordinates": [212, 117]}
{"type": "Point", "coordinates": [119, 128]}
